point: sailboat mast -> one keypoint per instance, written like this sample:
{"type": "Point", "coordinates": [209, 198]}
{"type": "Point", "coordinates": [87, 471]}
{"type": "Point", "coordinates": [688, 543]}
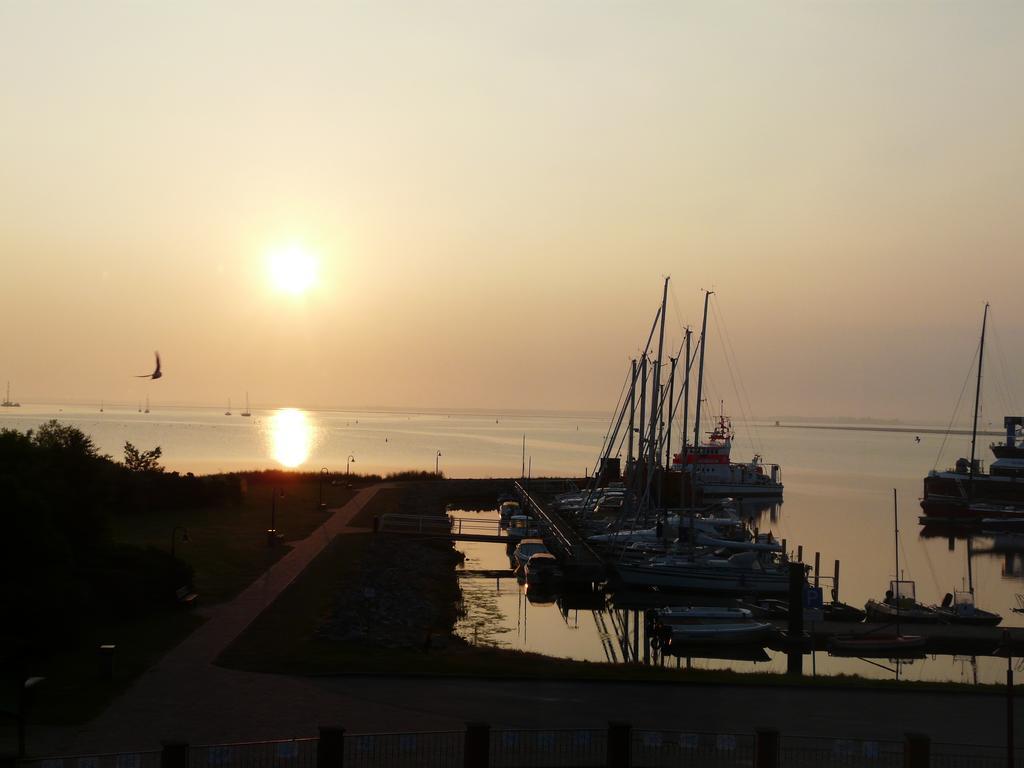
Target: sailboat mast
{"type": "Point", "coordinates": [896, 528]}
{"type": "Point", "coordinates": [686, 391]}
{"type": "Point", "coordinates": [700, 371]}
{"type": "Point", "coordinates": [652, 451]}
{"type": "Point", "coordinates": [632, 419]}
{"type": "Point", "coordinates": [641, 445]}
{"type": "Point", "coordinates": [970, 571]}
{"type": "Point", "coordinates": [977, 402]}
{"type": "Point", "coordinates": [671, 411]}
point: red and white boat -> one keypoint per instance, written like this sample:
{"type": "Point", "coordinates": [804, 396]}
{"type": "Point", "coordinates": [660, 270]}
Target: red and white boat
{"type": "Point", "coordinates": [712, 471]}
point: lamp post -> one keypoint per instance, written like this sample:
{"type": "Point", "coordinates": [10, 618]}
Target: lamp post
{"type": "Point", "coordinates": [323, 473]}
{"type": "Point", "coordinates": [437, 463]}
{"type": "Point", "coordinates": [272, 535]}
{"type": "Point", "coordinates": [349, 463]}
{"type": "Point", "coordinates": [23, 704]}
{"type": "Point", "coordinates": [184, 536]}
{"type": "Point", "coordinates": [1005, 649]}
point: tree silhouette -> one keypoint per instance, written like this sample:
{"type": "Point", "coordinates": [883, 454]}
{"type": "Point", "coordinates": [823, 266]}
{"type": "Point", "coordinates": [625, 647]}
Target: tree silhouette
{"type": "Point", "coordinates": [142, 461]}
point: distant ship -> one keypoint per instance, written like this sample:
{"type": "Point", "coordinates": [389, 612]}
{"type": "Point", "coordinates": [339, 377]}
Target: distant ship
{"type": "Point", "coordinates": [8, 403]}
{"type": "Point", "coordinates": [711, 470]}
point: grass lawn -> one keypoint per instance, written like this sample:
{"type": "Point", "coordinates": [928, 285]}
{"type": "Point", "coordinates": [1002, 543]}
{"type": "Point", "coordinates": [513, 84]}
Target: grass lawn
{"type": "Point", "coordinates": [227, 546]}
{"type": "Point", "coordinates": [227, 549]}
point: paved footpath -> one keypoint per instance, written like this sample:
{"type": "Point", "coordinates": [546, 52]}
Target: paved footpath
{"type": "Point", "coordinates": [184, 696]}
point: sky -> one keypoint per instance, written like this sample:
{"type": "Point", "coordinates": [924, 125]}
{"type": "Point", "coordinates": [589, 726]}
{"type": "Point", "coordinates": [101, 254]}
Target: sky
{"type": "Point", "coordinates": [491, 194]}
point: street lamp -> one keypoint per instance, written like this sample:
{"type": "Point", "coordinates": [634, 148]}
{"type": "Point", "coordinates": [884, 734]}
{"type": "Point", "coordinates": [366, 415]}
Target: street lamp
{"type": "Point", "coordinates": [349, 463]}
{"type": "Point", "coordinates": [184, 536]}
{"type": "Point", "coordinates": [323, 472]}
{"type": "Point", "coordinates": [437, 462]}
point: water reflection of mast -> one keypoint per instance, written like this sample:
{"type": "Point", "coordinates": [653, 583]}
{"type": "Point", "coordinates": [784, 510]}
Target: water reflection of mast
{"type": "Point", "coordinates": [606, 637]}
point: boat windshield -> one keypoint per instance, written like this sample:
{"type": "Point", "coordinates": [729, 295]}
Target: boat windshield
{"type": "Point", "coordinates": [903, 590]}
{"type": "Point", "coordinates": [963, 599]}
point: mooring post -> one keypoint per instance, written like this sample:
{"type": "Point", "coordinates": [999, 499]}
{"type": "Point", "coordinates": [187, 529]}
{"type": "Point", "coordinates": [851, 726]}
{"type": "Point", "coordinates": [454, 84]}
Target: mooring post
{"type": "Point", "coordinates": [817, 568]}
{"type": "Point", "coordinates": [916, 751]}
{"type": "Point", "coordinates": [800, 553]}
{"type": "Point", "coordinates": [330, 747]}
{"type": "Point", "coordinates": [620, 743]}
{"type": "Point", "coordinates": [835, 584]}
{"type": "Point", "coordinates": [174, 754]}
{"type": "Point", "coordinates": [477, 752]}
{"type": "Point", "coordinates": [766, 748]}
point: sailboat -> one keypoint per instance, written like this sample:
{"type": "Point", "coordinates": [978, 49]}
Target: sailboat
{"type": "Point", "coordinates": [246, 412]}
{"type": "Point", "coordinates": [965, 492]}
{"type": "Point", "coordinates": [8, 403]}
{"type": "Point", "coordinates": [147, 404]}
{"type": "Point", "coordinates": [958, 606]}
{"type": "Point", "coordinates": [101, 406]}
{"type": "Point", "coordinates": [899, 605]}
{"type": "Point", "coordinates": [140, 406]}
{"type": "Point", "coordinates": [228, 411]}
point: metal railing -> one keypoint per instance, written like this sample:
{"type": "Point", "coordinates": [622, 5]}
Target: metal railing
{"type": "Point", "coordinates": [655, 749]}
{"type": "Point", "coordinates": [543, 748]}
{"type": "Point", "coordinates": [617, 746]}
{"type": "Point", "coordinates": [438, 749]}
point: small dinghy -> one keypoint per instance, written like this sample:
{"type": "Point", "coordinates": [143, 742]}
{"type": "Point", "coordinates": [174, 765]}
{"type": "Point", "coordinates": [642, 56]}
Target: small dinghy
{"type": "Point", "coordinates": [720, 633]}
{"type": "Point", "coordinates": [875, 645]}
{"type": "Point", "coordinates": [959, 608]}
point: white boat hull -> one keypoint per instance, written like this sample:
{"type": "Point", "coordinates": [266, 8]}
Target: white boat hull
{"type": "Point", "coordinates": [705, 579]}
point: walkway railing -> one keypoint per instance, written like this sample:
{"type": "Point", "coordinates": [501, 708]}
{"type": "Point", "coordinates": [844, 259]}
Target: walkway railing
{"type": "Point", "coordinates": [617, 746]}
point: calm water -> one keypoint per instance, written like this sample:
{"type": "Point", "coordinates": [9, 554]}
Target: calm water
{"type": "Point", "coordinates": [838, 502]}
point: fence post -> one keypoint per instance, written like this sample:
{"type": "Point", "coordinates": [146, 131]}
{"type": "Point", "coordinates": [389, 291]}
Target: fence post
{"type": "Point", "coordinates": [916, 751]}
{"type": "Point", "coordinates": [477, 752]}
{"type": "Point", "coordinates": [174, 754]}
{"type": "Point", "coordinates": [330, 747]}
{"type": "Point", "coordinates": [766, 748]}
{"type": "Point", "coordinates": [620, 745]}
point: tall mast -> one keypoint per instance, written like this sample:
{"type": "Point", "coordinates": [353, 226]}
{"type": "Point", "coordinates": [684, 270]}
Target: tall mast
{"type": "Point", "coordinates": [632, 420]}
{"type": "Point", "coordinates": [896, 527]}
{"type": "Point", "coordinates": [652, 451]}
{"type": "Point", "coordinates": [700, 371]}
{"type": "Point", "coordinates": [977, 401]}
{"type": "Point", "coordinates": [671, 411]}
{"type": "Point", "coordinates": [641, 445]}
{"type": "Point", "coordinates": [686, 390]}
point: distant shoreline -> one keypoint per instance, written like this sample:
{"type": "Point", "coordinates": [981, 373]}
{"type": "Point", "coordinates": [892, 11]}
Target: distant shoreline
{"type": "Point", "coordinates": [905, 430]}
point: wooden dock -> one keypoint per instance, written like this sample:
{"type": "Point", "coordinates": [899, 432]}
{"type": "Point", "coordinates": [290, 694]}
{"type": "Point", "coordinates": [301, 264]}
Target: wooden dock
{"type": "Point", "coordinates": [579, 560]}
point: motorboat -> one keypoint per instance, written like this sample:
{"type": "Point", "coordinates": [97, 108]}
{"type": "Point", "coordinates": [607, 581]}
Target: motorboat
{"type": "Point", "coordinates": [744, 573]}
{"type": "Point", "coordinates": [542, 569]}
{"type": "Point", "coordinates": [521, 527]}
{"type": "Point", "coordinates": [900, 605]}
{"type": "Point", "coordinates": [727, 633]}
{"type": "Point", "coordinates": [874, 644]}
{"type": "Point", "coordinates": [526, 549]}
{"type": "Point", "coordinates": [959, 608]}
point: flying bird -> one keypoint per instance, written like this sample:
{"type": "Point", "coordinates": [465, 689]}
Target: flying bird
{"type": "Point", "coordinates": [155, 374]}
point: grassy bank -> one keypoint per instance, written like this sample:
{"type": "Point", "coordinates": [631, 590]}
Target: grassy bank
{"type": "Point", "coordinates": [227, 550]}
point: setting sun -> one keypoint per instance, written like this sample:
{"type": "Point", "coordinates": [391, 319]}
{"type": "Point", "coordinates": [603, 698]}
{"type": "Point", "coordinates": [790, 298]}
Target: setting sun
{"type": "Point", "coordinates": [292, 270]}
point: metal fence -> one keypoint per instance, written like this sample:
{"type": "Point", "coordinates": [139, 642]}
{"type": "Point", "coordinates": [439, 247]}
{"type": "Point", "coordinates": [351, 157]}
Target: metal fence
{"type": "Point", "coordinates": [112, 760]}
{"type": "Point", "coordinates": [544, 748]}
{"type": "Point", "coordinates": [549, 748]}
{"type": "Point", "coordinates": [439, 749]}
{"type": "Point", "coordinates": [297, 753]}
{"type": "Point", "coordinates": [801, 751]}
{"type": "Point", "coordinates": [658, 749]}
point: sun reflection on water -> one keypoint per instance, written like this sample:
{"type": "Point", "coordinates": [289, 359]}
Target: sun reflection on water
{"type": "Point", "coordinates": [291, 436]}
